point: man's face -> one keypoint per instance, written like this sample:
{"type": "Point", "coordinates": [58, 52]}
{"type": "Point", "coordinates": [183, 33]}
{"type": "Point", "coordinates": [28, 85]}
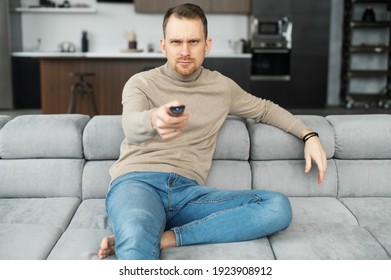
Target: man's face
{"type": "Point", "coordinates": [184, 44]}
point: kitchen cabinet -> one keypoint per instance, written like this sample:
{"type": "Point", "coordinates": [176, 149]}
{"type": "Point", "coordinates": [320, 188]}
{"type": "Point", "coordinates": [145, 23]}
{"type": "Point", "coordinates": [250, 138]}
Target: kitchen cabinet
{"type": "Point", "coordinates": [209, 6]}
{"type": "Point", "coordinates": [273, 8]}
{"type": "Point", "coordinates": [367, 58]}
{"type": "Point", "coordinates": [111, 75]}
{"type": "Point", "coordinates": [238, 69]}
{"type": "Point", "coordinates": [305, 86]}
{"type": "Point", "coordinates": [26, 83]}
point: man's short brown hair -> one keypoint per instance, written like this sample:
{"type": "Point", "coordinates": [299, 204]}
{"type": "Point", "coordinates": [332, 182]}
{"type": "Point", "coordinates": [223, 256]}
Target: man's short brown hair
{"type": "Point", "coordinates": [188, 11]}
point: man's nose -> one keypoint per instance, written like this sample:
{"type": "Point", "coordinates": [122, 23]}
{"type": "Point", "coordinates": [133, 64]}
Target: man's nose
{"type": "Point", "coordinates": [185, 49]}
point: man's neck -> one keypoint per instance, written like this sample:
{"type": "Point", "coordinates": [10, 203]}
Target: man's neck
{"type": "Point", "coordinates": [188, 78]}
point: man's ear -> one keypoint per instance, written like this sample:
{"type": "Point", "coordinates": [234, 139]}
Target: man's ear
{"type": "Point", "coordinates": [208, 46]}
{"type": "Point", "coordinates": [163, 46]}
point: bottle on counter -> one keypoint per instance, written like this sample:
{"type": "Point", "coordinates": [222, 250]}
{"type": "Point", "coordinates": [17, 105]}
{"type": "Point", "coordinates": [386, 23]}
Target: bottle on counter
{"type": "Point", "coordinates": [84, 42]}
{"type": "Point", "coordinates": [132, 41]}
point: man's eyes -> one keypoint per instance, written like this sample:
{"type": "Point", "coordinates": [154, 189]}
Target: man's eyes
{"type": "Point", "coordinates": [191, 42]}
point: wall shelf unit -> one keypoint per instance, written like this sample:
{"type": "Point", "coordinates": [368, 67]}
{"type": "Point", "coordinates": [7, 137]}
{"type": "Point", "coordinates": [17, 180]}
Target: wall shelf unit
{"type": "Point", "coordinates": [366, 17]}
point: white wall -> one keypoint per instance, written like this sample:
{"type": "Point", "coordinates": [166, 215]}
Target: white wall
{"type": "Point", "coordinates": [106, 28]}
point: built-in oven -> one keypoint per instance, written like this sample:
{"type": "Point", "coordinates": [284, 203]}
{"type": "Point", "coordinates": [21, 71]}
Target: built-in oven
{"type": "Point", "coordinates": [271, 43]}
{"type": "Point", "coordinates": [270, 64]}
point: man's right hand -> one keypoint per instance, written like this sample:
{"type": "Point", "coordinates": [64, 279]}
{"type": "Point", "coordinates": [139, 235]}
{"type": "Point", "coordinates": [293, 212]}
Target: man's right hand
{"type": "Point", "coordinates": [166, 125]}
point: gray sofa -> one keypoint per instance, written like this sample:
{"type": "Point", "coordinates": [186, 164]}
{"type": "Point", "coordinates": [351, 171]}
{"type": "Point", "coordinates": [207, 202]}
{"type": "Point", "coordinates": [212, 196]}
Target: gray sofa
{"type": "Point", "coordinates": [54, 176]}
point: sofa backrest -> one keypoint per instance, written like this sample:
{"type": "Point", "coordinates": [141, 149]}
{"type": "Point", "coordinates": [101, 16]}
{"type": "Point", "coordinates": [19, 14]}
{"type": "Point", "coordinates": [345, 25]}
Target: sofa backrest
{"type": "Point", "coordinates": [277, 160]}
{"type": "Point", "coordinates": [103, 135]}
{"type": "Point", "coordinates": [4, 120]}
{"type": "Point", "coordinates": [362, 154]}
{"type": "Point", "coordinates": [42, 156]}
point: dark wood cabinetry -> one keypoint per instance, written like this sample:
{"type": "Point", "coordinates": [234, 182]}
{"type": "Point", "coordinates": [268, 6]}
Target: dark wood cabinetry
{"type": "Point", "coordinates": [110, 77]}
{"type": "Point", "coordinates": [209, 6]}
{"type": "Point", "coordinates": [306, 84]}
{"type": "Point", "coordinates": [238, 69]}
{"type": "Point", "coordinates": [376, 20]}
{"type": "Point", "coordinates": [26, 85]}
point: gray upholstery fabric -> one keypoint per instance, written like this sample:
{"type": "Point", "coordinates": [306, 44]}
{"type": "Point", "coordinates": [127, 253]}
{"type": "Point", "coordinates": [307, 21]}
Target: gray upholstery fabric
{"type": "Point", "coordinates": [27, 242]}
{"type": "Point", "coordinates": [41, 177]}
{"type": "Point", "coordinates": [91, 214]}
{"type": "Point", "coordinates": [96, 179]}
{"type": "Point", "coordinates": [4, 120]}
{"type": "Point", "coordinates": [43, 136]}
{"type": "Point", "coordinates": [362, 136]}
{"type": "Point", "coordinates": [52, 212]}
{"type": "Point", "coordinates": [320, 210]}
{"type": "Point", "coordinates": [102, 138]}
{"type": "Point", "coordinates": [230, 174]}
{"type": "Point", "coordinates": [359, 178]}
{"type": "Point", "coordinates": [369, 211]}
{"type": "Point", "coordinates": [54, 176]}
{"type": "Point", "coordinates": [288, 177]}
{"type": "Point", "coordinates": [248, 250]}
{"type": "Point", "coordinates": [270, 143]}
{"type": "Point", "coordinates": [326, 241]}
{"type": "Point", "coordinates": [233, 142]}
{"type": "Point", "coordinates": [79, 244]}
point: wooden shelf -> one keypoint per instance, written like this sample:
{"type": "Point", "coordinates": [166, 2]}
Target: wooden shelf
{"type": "Point", "coordinates": [370, 1]}
{"type": "Point", "coordinates": [370, 48]}
{"type": "Point", "coordinates": [369, 73]}
{"type": "Point", "coordinates": [39, 10]}
{"type": "Point", "coordinates": [376, 24]}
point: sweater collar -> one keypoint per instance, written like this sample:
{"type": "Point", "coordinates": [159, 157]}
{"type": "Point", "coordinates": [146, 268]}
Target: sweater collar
{"type": "Point", "coordinates": [176, 76]}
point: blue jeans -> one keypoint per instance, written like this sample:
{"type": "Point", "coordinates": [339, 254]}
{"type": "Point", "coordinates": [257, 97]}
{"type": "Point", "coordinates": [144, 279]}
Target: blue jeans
{"type": "Point", "coordinates": [142, 205]}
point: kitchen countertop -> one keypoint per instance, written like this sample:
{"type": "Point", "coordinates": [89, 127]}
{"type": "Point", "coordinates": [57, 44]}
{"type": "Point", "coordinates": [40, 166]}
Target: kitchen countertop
{"type": "Point", "coordinates": [136, 55]}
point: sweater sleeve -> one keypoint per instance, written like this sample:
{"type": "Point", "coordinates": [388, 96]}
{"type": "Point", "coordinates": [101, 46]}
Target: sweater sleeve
{"type": "Point", "coordinates": [136, 114]}
{"type": "Point", "coordinates": [249, 106]}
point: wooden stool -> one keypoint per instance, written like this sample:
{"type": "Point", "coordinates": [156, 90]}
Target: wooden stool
{"type": "Point", "coordinates": [82, 88]}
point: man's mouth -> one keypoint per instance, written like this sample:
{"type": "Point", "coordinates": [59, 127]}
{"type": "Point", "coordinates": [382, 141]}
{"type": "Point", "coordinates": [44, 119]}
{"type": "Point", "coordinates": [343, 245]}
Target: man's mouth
{"type": "Point", "coordinates": [184, 62]}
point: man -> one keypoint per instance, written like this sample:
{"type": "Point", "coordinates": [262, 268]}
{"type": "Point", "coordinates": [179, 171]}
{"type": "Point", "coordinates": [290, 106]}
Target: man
{"type": "Point", "coordinates": [157, 198]}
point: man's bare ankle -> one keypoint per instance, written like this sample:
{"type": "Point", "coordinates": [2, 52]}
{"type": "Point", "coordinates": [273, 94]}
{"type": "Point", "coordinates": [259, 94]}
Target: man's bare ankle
{"type": "Point", "coordinates": [168, 240]}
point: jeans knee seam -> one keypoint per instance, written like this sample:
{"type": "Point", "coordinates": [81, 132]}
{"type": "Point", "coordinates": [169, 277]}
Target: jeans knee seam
{"type": "Point", "coordinates": [226, 199]}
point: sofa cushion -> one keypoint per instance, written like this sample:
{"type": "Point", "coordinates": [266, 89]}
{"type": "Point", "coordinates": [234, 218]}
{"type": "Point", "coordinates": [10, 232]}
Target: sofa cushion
{"type": "Point", "coordinates": [27, 242]}
{"type": "Point", "coordinates": [233, 141]}
{"type": "Point", "coordinates": [288, 177]}
{"type": "Point", "coordinates": [326, 242]}
{"type": "Point", "coordinates": [40, 177]}
{"type": "Point", "coordinates": [79, 244]}
{"type": "Point", "coordinates": [91, 214]}
{"type": "Point", "coordinates": [4, 120]}
{"type": "Point", "coordinates": [43, 136]}
{"type": "Point", "coordinates": [362, 136]}
{"type": "Point", "coordinates": [230, 175]}
{"type": "Point", "coordinates": [358, 178]}
{"type": "Point", "coordinates": [96, 179]}
{"type": "Point", "coordinates": [84, 234]}
{"type": "Point", "coordinates": [370, 211]}
{"type": "Point", "coordinates": [108, 130]}
{"type": "Point", "coordinates": [321, 210]}
{"type": "Point", "coordinates": [258, 249]}
{"type": "Point", "coordinates": [269, 142]}
{"type": "Point", "coordinates": [52, 212]}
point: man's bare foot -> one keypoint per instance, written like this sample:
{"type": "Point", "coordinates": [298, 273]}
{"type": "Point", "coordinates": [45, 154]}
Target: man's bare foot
{"type": "Point", "coordinates": [107, 247]}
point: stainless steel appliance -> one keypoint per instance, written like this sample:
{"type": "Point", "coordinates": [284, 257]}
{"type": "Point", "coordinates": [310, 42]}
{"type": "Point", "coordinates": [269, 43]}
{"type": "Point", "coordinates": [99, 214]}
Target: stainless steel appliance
{"type": "Point", "coordinates": [271, 44]}
{"type": "Point", "coordinates": [271, 32]}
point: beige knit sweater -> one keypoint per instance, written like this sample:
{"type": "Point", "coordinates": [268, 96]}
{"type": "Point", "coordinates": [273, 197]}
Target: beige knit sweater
{"type": "Point", "coordinates": [209, 97]}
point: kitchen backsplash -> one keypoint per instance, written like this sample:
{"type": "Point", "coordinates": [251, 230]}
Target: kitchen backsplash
{"type": "Point", "coordinates": [108, 26]}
